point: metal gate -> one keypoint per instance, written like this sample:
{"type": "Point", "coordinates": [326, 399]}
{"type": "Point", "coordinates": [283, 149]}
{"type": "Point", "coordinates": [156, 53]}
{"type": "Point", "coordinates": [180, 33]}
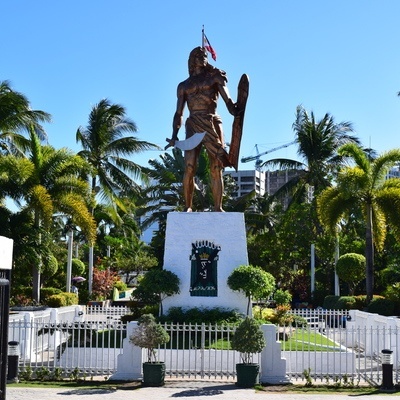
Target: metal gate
{"type": "Point", "coordinates": [199, 351]}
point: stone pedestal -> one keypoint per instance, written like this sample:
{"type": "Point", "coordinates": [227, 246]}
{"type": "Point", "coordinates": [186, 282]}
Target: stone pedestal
{"type": "Point", "coordinates": [203, 249]}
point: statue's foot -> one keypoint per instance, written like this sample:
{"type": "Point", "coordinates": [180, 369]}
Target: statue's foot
{"type": "Point", "coordinates": [218, 209]}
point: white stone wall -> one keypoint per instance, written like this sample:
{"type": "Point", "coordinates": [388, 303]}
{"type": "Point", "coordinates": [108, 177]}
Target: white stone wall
{"type": "Point", "coordinates": [224, 229]}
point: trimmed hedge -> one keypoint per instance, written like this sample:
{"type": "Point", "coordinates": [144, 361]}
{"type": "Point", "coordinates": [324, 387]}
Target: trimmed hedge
{"type": "Point", "coordinates": [330, 302]}
{"type": "Point", "coordinates": [378, 305]}
{"type": "Point", "coordinates": [45, 293]}
{"type": "Point", "coordinates": [201, 315]}
{"type": "Point", "coordinates": [62, 299]}
{"type": "Point", "coordinates": [381, 306]}
{"type": "Point", "coordinates": [346, 303]}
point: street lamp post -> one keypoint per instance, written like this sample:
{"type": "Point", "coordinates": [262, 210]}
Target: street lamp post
{"type": "Point", "coordinates": [312, 270]}
{"type": "Point", "coordinates": [70, 235]}
{"type": "Point", "coordinates": [337, 286]}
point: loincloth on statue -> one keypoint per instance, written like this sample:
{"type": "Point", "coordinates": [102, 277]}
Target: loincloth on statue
{"type": "Point", "coordinates": [202, 122]}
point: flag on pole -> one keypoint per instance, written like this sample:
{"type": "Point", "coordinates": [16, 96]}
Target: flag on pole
{"type": "Point", "coordinates": [208, 47]}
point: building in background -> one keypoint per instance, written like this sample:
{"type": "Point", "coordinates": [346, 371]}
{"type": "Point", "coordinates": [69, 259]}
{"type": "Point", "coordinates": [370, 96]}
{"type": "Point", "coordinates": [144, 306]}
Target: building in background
{"type": "Point", "coordinates": [262, 182]}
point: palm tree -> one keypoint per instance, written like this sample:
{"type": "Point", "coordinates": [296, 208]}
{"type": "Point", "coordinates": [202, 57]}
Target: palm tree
{"type": "Point", "coordinates": [104, 148]}
{"type": "Point", "coordinates": [262, 215]}
{"type": "Point", "coordinates": [318, 142]}
{"type": "Point", "coordinates": [364, 187]}
{"type": "Point", "coordinates": [16, 116]}
{"type": "Point", "coordinates": [43, 184]}
{"type": "Point", "coordinates": [165, 187]}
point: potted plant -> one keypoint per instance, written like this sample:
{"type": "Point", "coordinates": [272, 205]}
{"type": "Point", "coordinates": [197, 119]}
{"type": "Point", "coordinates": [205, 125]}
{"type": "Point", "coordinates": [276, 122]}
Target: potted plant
{"type": "Point", "coordinates": [248, 340]}
{"type": "Point", "coordinates": [149, 335]}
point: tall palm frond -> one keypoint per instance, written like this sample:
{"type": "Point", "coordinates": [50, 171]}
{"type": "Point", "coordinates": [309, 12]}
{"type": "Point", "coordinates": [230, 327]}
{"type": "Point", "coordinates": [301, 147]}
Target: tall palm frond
{"type": "Point", "coordinates": [16, 116]}
{"type": "Point", "coordinates": [105, 149]}
{"type": "Point", "coordinates": [318, 142]}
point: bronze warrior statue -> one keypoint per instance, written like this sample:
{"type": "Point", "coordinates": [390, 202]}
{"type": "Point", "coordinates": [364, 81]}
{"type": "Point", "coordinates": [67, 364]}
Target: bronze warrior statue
{"type": "Point", "coordinates": [200, 93]}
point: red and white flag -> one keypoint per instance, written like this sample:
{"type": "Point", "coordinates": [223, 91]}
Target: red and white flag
{"type": "Point", "coordinates": [208, 47]}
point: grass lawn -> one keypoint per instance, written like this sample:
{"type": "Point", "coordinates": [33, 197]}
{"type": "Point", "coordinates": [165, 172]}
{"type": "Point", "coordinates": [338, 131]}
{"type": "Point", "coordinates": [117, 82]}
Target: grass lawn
{"type": "Point", "coordinates": [299, 340]}
{"type": "Point", "coordinates": [306, 340]}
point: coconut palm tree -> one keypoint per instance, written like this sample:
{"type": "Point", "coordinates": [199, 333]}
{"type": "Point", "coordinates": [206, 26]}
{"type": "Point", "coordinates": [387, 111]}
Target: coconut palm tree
{"type": "Point", "coordinates": [318, 142]}
{"type": "Point", "coordinates": [16, 116]}
{"type": "Point", "coordinates": [165, 187]}
{"type": "Point", "coordinates": [364, 187]}
{"type": "Point", "coordinates": [46, 182]}
{"type": "Point", "coordinates": [105, 149]}
{"type": "Point", "coordinates": [263, 214]}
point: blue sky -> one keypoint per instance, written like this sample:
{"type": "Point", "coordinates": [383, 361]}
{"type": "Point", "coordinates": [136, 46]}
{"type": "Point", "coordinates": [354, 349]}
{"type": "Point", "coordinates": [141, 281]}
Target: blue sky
{"type": "Point", "coordinates": [336, 56]}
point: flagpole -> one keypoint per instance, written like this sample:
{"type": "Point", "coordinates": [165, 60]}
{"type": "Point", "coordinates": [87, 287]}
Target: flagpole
{"type": "Point", "coordinates": [202, 37]}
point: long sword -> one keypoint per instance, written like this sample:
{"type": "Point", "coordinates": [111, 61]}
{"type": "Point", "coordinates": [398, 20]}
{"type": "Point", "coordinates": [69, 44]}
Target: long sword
{"type": "Point", "coordinates": [187, 144]}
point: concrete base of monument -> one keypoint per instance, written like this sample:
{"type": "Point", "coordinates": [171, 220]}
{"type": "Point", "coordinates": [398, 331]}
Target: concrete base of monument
{"type": "Point", "coordinates": [202, 249]}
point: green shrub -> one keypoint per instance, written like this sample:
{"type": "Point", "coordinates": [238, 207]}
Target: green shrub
{"type": "Point", "coordinates": [248, 339]}
{"type": "Point", "coordinates": [149, 335]}
{"type": "Point", "coordinates": [350, 268]}
{"type": "Point", "coordinates": [43, 374]}
{"type": "Point", "coordinates": [330, 302]}
{"type": "Point", "coordinates": [26, 374]}
{"type": "Point", "coordinates": [381, 306]}
{"type": "Point", "coordinates": [282, 297]}
{"type": "Point", "coordinates": [50, 265]}
{"type": "Point", "coordinates": [197, 315]}
{"type": "Point", "coordinates": [121, 286]}
{"type": "Point", "coordinates": [281, 315]}
{"type": "Point", "coordinates": [71, 298]}
{"type": "Point", "coordinates": [345, 303]}
{"type": "Point", "coordinates": [342, 302]}
{"type": "Point", "coordinates": [360, 302]}
{"type": "Point", "coordinates": [392, 292]}
{"type": "Point", "coordinates": [299, 322]}
{"type": "Point", "coordinates": [62, 299]}
{"type": "Point", "coordinates": [78, 267]}
{"type": "Point", "coordinates": [56, 300]}
{"type": "Point", "coordinates": [45, 293]}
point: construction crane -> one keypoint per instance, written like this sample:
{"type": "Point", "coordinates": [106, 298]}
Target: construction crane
{"type": "Point", "coordinates": [257, 157]}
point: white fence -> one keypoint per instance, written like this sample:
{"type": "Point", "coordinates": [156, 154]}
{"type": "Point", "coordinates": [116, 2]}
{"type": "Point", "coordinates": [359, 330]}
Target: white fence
{"type": "Point", "coordinates": [194, 351]}
{"type": "Point", "coordinates": [75, 340]}
{"type": "Point", "coordinates": [333, 346]}
{"type": "Point", "coordinates": [353, 342]}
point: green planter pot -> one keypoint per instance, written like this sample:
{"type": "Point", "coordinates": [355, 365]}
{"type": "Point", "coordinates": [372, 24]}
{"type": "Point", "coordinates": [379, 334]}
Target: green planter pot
{"type": "Point", "coordinates": [153, 373]}
{"type": "Point", "coordinates": [247, 375]}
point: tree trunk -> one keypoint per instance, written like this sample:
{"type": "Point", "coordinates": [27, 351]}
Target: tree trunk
{"type": "Point", "coordinates": [36, 284]}
{"type": "Point", "coordinates": [369, 255]}
{"type": "Point", "coordinates": [36, 268]}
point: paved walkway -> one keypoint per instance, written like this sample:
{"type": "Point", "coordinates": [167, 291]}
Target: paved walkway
{"type": "Point", "coordinates": [172, 390]}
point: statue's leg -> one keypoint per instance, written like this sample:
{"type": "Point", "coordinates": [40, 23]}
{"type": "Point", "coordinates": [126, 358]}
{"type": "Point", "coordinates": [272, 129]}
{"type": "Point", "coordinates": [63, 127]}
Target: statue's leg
{"type": "Point", "coordinates": [217, 156]}
{"type": "Point", "coordinates": [191, 157]}
{"type": "Point", "coordinates": [217, 183]}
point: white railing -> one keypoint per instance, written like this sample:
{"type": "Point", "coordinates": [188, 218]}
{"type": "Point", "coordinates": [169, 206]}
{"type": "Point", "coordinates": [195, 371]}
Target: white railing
{"type": "Point", "coordinates": [199, 351]}
{"type": "Point", "coordinates": [332, 346]}
{"type": "Point", "coordinates": [73, 345]}
{"type": "Point", "coordinates": [112, 313]}
{"type": "Point", "coordinates": [353, 342]}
